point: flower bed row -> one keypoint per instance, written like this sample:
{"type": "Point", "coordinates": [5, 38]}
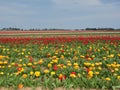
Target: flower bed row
{"type": "Point", "coordinates": [55, 40]}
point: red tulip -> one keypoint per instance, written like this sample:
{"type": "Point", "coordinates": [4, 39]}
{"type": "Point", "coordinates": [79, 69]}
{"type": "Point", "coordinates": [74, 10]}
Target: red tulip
{"type": "Point", "coordinates": [31, 59]}
{"type": "Point", "coordinates": [61, 77]}
{"type": "Point", "coordinates": [33, 67]}
{"type": "Point", "coordinates": [55, 67]}
{"type": "Point", "coordinates": [73, 73]}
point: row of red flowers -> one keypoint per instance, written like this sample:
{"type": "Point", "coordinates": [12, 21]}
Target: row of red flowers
{"type": "Point", "coordinates": [54, 40]}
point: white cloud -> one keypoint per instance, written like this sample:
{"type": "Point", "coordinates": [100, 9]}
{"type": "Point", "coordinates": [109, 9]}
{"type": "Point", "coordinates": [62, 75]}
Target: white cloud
{"type": "Point", "coordinates": [67, 4]}
{"type": "Point", "coordinates": [84, 5]}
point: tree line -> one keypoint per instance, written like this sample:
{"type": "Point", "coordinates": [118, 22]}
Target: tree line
{"type": "Point", "coordinates": [46, 29]}
{"type": "Point", "coordinates": [109, 29]}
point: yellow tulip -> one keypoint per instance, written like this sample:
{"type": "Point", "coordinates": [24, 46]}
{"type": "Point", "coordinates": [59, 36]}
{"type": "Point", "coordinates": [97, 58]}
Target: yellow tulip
{"type": "Point", "coordinates": [31, 73]}
{"type": "Point", "coordinates": [118, 77]}
{"type": "Point", "coordinates": [72, 75]}
{"type": "Point", "coordinates": [49, 65]}
{"type": "Point", "coordinates": [24, 76]}
{"type": "Point", "coordinates": [46, 71]}
{"type": "Point", "coordinates": [52, 73]}
{"type": "Point", "coordinates": [29, 64]}
{"type": "Point", "coordinates": [107, 79]}
{"type": "Point", "coordinates": [37, 73]}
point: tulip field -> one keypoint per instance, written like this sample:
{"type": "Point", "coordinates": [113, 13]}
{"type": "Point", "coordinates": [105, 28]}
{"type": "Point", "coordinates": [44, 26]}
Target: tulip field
{"type": "Point", "coordinates": [84, 62]}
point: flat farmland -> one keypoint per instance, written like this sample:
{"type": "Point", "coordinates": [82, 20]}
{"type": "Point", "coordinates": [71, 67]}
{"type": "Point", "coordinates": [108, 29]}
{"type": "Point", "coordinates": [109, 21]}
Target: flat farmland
{"type": "Point", "coordinates": [57, 33]}
{"type": "Point", "coordinates": [59, 60]}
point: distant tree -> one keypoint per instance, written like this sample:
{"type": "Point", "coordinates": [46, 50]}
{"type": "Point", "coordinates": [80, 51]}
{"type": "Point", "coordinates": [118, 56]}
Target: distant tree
{"type": "Point", "coordinates": [90, 29]}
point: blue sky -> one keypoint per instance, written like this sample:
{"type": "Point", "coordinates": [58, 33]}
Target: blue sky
{"type": "Point", "coordinates": [65, 14]}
